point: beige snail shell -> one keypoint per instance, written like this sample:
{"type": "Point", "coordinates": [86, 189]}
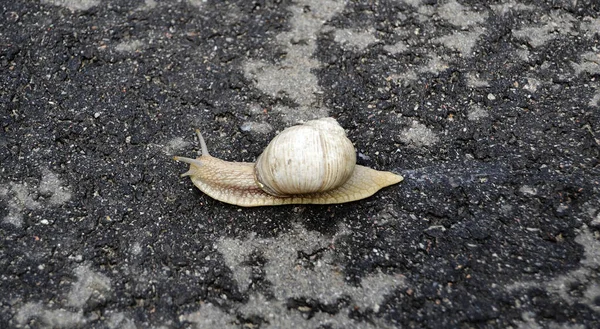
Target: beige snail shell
{"type": "Point", "coordinates": [312, 163]}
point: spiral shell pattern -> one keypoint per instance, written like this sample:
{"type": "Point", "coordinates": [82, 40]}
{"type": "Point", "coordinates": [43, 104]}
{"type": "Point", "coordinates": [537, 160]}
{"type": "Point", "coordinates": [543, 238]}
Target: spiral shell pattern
{"type": "Point", "coordinates": [309, 158]}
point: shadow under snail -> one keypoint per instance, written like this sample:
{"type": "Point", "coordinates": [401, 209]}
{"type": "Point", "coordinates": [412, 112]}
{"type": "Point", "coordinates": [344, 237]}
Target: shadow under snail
{"type": "Point", "coordinates": [311, 163]}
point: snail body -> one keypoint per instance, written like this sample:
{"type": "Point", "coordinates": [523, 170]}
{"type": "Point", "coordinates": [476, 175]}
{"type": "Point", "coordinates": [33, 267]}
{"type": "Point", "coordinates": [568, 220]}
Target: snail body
{"type": "Point", "coordinates": [312, 163]}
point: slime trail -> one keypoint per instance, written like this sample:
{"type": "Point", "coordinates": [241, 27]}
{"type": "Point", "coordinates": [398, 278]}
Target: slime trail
{"type": "Point", "coordinates": [467, 174]}
{"type": "Point", "coordinates": [457, 174]}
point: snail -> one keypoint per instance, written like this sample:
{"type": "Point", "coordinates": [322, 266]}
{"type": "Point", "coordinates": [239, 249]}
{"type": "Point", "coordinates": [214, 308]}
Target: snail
{"type": "Point", "coordinates": [311, 163]}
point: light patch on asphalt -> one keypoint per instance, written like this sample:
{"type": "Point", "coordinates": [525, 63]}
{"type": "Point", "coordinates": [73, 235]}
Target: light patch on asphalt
{"type": "Point", "coordinates": [48, 318]}
{"type": "Point", "coordinates": [528, 190]}
{"type": "Point", "coordinates": [52, 189]}
{"type": "Point", "coordinates": [280, 316]}
{"type": "Point", "coordinates": [464, 42]}
{"type": "Point", "coordinates": [436, 64]}
{"type": "Point", "coordinates": [351, 39]}
{"type": "Point", "coordinates": [414, 3]}
{"type": "Point", "coordinates": [20, 197]}
{"type": "Point", "coordinates": [590, 26]}
{"type": "Point", "coordinates": [74, 4]}
{"type": "Point", "coordinates": [120, 321]}
{"type": "Point", "coordinates": [557, 24]}
{"type": "Point", "coordinates": [475, 81]}
{"type": "Point", "coordinates": [398, 47]}
{"type": "Point", "coordinates": [584, 275]}
{"type": "Point", "coordinates": [292, 76]}
{"type": "Point", "coordinates": [317, 276]}
{"type": "Point", "coordinates": [595, 101]}
{"type": "Point", "coordinates": [459, 15]}
{"type": "Point", "coordinates": [174, 145]}
{"type": "Point", "coordinates": [257, 127]}
{"type": "Point", "coordinates": [418, 135]}
{"type": "Point", "coordinates": [129, 46]}
{"type": "Point", "coordinates": [476, 113]}
{"type": "Point", "coordinates": [150, 4]}
{"type": "Point", "coordinates": [405, 77]}
{"type": "Point", "coordinates": [197, 3]}
{"type": "Point", "coordinates": [210, 316]}
{"type": "Point", "coordinates": [588, 62]}
{"type": "Point", "coordinates": [532, 84]}
{"type": "Point", "coordinates": [510, 6]}
{"type": "Point", "coordinates": [294, 117]}
{"type": "Point", "coordinates": [90, 288]}
{"type": "Point", "coordinates": [523, 54]}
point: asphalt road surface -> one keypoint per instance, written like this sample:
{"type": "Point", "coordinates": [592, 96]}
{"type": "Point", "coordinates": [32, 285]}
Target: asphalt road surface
{"type": "Point", "coordinates": [489, 109]}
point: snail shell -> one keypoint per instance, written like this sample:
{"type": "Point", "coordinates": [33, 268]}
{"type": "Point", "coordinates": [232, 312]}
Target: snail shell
{"type": "Point", "coordinates": [284, 167]}
{"type": "Point", "coordinates": [313, 163]}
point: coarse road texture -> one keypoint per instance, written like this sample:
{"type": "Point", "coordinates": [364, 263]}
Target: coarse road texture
{"type": "Point", "coordinates": [489, 109]}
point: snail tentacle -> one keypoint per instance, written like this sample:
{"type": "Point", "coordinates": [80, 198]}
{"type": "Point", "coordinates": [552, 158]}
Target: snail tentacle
{"type": "Point", "coordinates": [202, 143]}
{"type": "Point", "coordinates": [195, 162]}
